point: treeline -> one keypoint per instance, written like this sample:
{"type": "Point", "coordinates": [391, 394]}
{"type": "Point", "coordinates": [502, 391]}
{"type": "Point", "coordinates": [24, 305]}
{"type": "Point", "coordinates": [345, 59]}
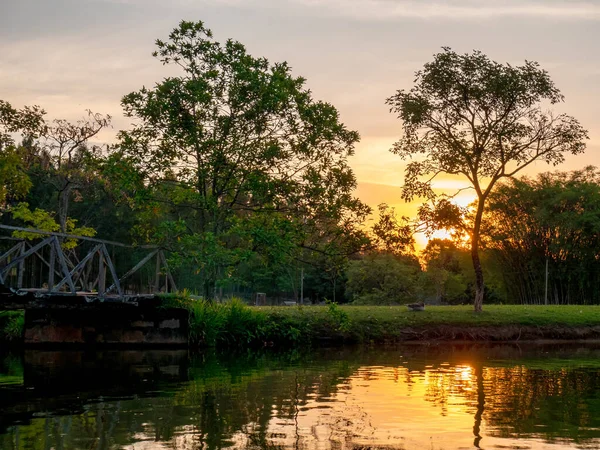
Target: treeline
{"type": "Point", "coordinates": [541, 245]}
{"type": "Point", "coordinates": [242, 177]}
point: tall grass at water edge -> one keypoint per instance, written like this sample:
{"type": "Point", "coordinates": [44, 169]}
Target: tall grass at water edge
{"type": "Point", "coordinates": [234, 324]}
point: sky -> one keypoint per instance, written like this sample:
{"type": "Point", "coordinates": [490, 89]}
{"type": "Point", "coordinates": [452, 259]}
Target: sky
{"type": "Point", "coordinates": [71, 55]}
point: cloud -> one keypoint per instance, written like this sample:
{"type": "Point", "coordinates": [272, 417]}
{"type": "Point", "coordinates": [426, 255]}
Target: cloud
{"type": "Point", "coordinates": [393, 9]}
{"type": "Point", "coordinates": [460, 10]}
{"type": "Point", "coordinates": [411, 9]}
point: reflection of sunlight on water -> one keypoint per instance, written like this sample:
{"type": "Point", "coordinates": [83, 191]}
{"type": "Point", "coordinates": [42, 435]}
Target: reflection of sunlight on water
{"type": "Point", "coordinates": [393, 407]}
{"type": "Point", "coordinates": [381, 407]}
{"type": "Point", "coordinates": [388, 402]}
{"type": "Point", "coordinates": [466, 372]}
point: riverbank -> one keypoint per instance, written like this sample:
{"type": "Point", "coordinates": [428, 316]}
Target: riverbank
{"type": "Point", "coordinates": [389, 324]}
{"type": "Point", "coordinates": [234, 324]}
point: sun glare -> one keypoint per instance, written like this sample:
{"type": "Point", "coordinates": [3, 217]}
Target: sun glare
{"type": "Point", "coordinates": [441, 234]}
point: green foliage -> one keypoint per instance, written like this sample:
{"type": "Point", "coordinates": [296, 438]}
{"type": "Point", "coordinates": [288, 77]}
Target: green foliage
{"type": "Point", "coordinates": [339, 317]}
{"type": "Point", "coordinates": [446, 275]}
{"type": "Point", "coordinates": [390, 235]}
{"type": "Point", "coordinates": [29, 121]}
{"type": "Point", "coordinates": [242, 164]}
{"type": "Point", "coordinates": [12, 326]}
{"type": "Point", "coordinates": [15, 181]}
{"type": "Point", "coordinates": [468, 115]}
{"type": "Point", "coordinates": [383, 279]}
{"type": "Point", "coordinates": [554, 217]}
{"type": "Point", "coordinates": [442, 214]}
{"type": "Point", "coordinates": [44, 220]}
{"type": "Point", "coordinates": [213, 324]}
{"type": "Point", "coordinates": [40, 219]}
{"type": "Point", "coordinates": [234, 324]}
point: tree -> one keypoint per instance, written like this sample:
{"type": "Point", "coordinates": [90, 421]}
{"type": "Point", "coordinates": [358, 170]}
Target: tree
{"type": "Point", "coordinates": [67, 146]}
{"type": "Point", "coordinates": [548, 222]}
{"type": "Point", "coordinates": [234, 138]}
{"type": "Point", "coordinates": [383, 279]}
{"type": "Point", "coordinates": [473, 117]}
{"type": "Point", "coordinates": [443, 275]}
{"type": "Point", "coordinates": [391, 235]}
{"type": "Point", "coordinates": [29, 121]}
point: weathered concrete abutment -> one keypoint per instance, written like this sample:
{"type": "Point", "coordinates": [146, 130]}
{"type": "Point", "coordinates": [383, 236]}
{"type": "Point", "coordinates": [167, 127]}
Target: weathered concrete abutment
{"type": "Point", "coordinates": [106, 323]}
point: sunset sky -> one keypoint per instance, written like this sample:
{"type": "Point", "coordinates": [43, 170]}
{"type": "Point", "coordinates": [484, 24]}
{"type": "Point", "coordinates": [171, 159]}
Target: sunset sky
{"type": "Point", "coordinates": [71, 55]}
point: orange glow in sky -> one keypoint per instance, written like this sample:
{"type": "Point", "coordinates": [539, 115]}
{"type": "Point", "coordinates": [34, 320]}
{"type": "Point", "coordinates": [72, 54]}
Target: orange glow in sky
{"type": "Point", "coordinates": [69, 56]}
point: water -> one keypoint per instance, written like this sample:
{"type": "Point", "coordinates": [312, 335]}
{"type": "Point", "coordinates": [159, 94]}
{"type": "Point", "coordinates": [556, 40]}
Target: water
{"type": "Point", "coordinates": [411, 397]}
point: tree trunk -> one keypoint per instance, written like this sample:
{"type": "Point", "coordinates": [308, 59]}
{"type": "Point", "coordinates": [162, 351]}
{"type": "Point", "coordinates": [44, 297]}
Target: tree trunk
{"type": "Point", "coordinates": [63, 206]}
{"type": "Point", "coordinates": [479, 285]}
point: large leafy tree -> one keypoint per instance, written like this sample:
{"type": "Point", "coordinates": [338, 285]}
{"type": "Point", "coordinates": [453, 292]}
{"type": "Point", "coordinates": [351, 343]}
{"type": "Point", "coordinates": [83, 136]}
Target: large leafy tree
{"type": "Point", "coordinates": [470, 116]}
{"type": "Point", "coordinates": [243, 148]}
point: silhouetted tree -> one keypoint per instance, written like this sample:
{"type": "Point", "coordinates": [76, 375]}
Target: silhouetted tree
{"type": "Point", "coordinates": [470, 116]}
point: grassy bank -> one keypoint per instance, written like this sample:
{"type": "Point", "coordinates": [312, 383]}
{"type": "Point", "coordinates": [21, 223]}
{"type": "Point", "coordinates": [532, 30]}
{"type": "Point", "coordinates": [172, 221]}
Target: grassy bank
{"type": "Point", "coordinates": [396, 323]}
{"type": "Point", "coordinates": [233, 324]}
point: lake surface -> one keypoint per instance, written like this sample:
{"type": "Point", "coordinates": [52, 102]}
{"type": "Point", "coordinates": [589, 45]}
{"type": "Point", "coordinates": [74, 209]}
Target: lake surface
{"type": "Point", "coordinates": [439, 396]}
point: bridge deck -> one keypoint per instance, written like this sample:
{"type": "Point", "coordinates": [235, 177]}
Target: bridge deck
{"type": "Point", "coordinates": [24, 299]}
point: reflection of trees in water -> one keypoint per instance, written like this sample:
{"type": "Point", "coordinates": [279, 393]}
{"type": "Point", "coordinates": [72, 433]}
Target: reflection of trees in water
{"type": "Point", "coordinates": [223, 403]}
{"type": "Point", "coordinates": [221, 408]}
{"type": "Point", "coordinates": [254, 402]}
{"type": "Point", "coordinates": [517, 402]}
{"type": "Point", "coordinates": [553, 404]}
{"type": "Point", "coordinates": [444, 384]}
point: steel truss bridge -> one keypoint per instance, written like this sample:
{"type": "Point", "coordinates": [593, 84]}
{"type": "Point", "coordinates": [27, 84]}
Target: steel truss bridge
{"type": "Point", "coordinates": [45, 270]}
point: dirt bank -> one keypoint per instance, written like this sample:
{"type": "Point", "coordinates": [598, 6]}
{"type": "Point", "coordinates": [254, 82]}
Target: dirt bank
{"type": "Point", "coordinates": [496, 333]}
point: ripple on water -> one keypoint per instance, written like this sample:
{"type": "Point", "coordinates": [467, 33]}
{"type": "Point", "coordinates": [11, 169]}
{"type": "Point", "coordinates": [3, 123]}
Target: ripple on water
{"type": "Point", "coordinates": [445, 397]}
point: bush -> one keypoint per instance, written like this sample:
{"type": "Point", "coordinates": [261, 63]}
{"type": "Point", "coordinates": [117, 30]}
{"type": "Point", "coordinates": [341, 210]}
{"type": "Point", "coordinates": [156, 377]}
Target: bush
{"type": "Point", "coordinates": [12, 326]}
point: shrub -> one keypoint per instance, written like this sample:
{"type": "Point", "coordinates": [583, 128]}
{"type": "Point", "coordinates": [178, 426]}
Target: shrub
{"type": "Point", "coordinates": [12, 325]}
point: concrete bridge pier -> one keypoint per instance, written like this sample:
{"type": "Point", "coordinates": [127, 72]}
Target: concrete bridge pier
{"type": "Point", "coordinates": [106, 323]}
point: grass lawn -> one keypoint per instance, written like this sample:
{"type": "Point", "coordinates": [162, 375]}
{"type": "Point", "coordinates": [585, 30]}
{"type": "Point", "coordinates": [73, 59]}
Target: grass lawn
{"type": "Point", "coordinates": [235, 324]}
{"type": "Point", "coordinates": [536, 315]}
